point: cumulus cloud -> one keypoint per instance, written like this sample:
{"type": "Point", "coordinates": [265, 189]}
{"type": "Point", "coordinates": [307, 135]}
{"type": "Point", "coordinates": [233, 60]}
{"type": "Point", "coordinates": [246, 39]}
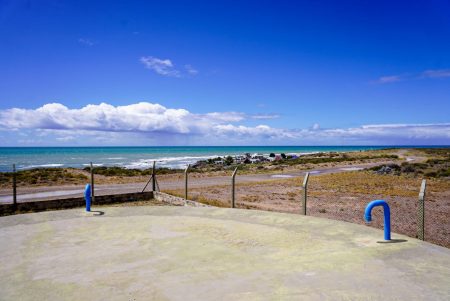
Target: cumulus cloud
{"type": "Point", "coordinates": [141, 117]}
{"type": "Point", "coordinates": [226, 117]}
{"type": "Point", "coordinates": [142, 121]}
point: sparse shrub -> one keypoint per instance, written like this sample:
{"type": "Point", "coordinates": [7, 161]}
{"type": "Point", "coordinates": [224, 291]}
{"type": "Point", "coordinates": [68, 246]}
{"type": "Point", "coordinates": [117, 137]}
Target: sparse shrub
{"type": "Point", "coordinates": [291, 194]}
{"type": "Point", "coordinates": [431, 174]}
{"type": "Point", "coordinates": [408, 168]}
{"type": "Point", "coordinates": [229, 160]}
{"type": "Point", "coordinates": [116, 171]}
{"type": "Point", "coordinates": [444, 173]}
{"type": "Point", "coordinates": [394, 166]}
{"type": "Point", "coordinates": [212, 160]}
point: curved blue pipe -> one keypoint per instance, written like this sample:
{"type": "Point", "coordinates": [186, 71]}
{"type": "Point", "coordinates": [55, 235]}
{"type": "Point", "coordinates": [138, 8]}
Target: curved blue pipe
{"type": "Point", "coordinates": [387, 216]}
{"type": "Point", "coordinates": [87, 197]}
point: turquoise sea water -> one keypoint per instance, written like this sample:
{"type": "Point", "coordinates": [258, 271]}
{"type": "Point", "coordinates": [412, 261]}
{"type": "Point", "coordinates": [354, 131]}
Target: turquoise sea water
{"type": "Point", "coordinates": [141, 157]}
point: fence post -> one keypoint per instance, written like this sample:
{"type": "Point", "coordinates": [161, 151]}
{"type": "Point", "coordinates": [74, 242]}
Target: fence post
{"type": "Point", "coordinates": [421, 211]}
{"type": "Point", "coordinates": [154, 176]}
{"type": "Point", "coordinates": [14, 187]}
{"type": "Point", "coordinates": [233, 204]}
{"type": "Point", "coordinates": [305, 192]}
{"type": "Point", "coordinates": [186, 182]}
{"type": "Point", "coordinates": [92, 184]}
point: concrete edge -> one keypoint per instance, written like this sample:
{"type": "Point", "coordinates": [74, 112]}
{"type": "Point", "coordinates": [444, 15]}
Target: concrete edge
{"type": "Point", "coordinates": [176, 201]}
{"type": "Point", "coordinates": [68, 203]}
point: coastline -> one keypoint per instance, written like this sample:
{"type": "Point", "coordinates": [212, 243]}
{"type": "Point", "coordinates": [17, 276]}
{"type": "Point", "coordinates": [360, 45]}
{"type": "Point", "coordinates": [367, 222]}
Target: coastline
{"type": "Point", "coordinates": [57, 176]}
{"type": "Point", "coordinates": [143, 157]}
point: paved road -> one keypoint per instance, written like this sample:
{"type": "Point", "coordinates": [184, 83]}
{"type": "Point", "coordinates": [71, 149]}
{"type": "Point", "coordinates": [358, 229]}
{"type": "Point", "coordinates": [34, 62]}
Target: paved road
{"type": "Point", "coordinates": [26, 194]}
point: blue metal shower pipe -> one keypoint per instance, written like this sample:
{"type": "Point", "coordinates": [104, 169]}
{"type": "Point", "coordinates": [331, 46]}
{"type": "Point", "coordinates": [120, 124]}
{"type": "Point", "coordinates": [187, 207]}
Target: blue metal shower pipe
{"type": "Point", "coordinates": [87, 197]}
{"type": "Point", "coordinates": [387, 216]}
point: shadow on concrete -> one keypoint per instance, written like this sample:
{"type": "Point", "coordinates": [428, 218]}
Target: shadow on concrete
{"type": "Point", "coordinates": [392, 241]}
{"type": "Point", "coordinates": [94, 213]}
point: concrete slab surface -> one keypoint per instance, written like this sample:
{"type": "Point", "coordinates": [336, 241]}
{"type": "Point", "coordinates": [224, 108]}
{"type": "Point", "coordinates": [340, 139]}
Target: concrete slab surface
{"type": "Point", "coordinates": [183, 253]}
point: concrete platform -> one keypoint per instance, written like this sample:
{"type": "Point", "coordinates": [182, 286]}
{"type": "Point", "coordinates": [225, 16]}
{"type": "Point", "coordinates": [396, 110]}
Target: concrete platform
{"type": "Point", "coordinates": [183, 253]}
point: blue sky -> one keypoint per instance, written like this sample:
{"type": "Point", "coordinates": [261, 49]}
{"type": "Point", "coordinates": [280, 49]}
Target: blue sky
{"type": "Point", "coordinates": [247, 72]}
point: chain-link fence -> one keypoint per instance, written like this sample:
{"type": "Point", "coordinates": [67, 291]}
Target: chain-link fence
{"type": "Point", "coordinates": [351, 209]}
{"type": "Point", "coordinates": [341, 196]}
{"type": "Point", "coordinates": [437, 214]}
{"type": "Point", "coordinates": [343, 203]}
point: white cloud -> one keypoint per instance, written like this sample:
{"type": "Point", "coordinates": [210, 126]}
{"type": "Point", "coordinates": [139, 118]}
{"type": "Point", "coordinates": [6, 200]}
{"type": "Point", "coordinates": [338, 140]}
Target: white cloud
{"type": "Point", "coordinates": [226, 117]}
{"type": "Point", "coordinates": [439, 73]}
{"type": "Point", "coordinates": [265, 116]}
{"type": "Point", "coordinates": [261, 131]}
{"type": "Point", "coordinates": [166, 67]}
{"type": "Point", "coordinates": [162, 67]}
{"type": "Point", "coordinates": [191, 70]}
{"type": "Point", "coordinates": [142, 122]}
{"type": "Point", "coordinates": [436, 73]}
{"type": "Point", "coordinates": [380, 134]}
{"type": "Point", "coordinates": [141, 117]}
{"type": "Point", "coordinates": [86, 42]}
{"type": "Point", "coordinates": [65, 138]}
{"type": "Point", "coordinates": [389, 79]}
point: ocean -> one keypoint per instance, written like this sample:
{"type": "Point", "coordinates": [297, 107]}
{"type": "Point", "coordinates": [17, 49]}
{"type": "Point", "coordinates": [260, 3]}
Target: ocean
{"type": "Point", "coordinates": [142, 157]}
